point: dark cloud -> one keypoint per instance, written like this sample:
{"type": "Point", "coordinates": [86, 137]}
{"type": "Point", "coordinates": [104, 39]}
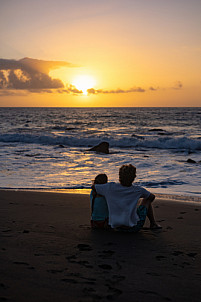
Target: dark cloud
{"type": "Point", "coordinates": [178, 85]}
{"type": "Point", "coordinates": [152, 88]}
{"type": "Point", "coordinates": [29, 74]}
{"type": "Point", "coordinates": [98, 91]}
{"type": "Point", "coordinates": [73, 89]}
{"type": "Point", "coordinates": [94, 91]}
{"type": "Point", "coordinates": [70, 89]}
{"type": "Point", "coordinates": [30, 64]}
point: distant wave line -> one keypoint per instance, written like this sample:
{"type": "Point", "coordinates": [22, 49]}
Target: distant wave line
{"type": "Point", "coordinates": [181, 143]}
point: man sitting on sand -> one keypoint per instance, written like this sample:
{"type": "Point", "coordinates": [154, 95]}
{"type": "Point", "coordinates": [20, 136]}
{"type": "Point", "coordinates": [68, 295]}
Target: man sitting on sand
{"type": "Point", "coordinates": [122, 199]}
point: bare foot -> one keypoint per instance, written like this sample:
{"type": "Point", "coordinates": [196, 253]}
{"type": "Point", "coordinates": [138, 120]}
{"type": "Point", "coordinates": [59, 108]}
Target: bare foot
{"type": "Point", "coordinates": [155, 226]}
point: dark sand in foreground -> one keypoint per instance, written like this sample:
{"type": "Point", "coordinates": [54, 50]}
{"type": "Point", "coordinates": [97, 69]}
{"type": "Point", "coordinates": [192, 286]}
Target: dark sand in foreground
{"type": "Point", "coordinates": [49, 253]}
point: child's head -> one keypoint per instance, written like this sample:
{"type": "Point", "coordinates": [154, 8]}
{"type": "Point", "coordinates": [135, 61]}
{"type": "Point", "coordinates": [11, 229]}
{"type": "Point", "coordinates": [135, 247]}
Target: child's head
{"type": "Point", "coordinates": [127, 174]}
{"type": "Point", "coordinates": [100, 179]}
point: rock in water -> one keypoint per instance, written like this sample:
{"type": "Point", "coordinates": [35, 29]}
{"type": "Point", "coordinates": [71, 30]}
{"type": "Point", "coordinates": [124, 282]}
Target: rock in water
{"type": "Point", "coordinates": [191, 161]}
{"type": "Point", "coordinates": [102, 148]}
{"type": "Point", "coordinates": [156, 130]}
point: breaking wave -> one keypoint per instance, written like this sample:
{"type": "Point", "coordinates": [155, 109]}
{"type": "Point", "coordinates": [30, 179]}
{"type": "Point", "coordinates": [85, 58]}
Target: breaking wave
{"type": "Point", "coordinates": [178, 143]}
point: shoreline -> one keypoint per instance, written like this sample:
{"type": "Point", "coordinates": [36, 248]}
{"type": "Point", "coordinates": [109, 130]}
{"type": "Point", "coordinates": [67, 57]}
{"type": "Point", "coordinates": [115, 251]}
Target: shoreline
{"type": "Point", "coordinates": [85, 191]}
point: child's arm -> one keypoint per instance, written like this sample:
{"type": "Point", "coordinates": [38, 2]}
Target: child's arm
{"type": "Point", "coordinates": [150, 198]}
{"type": "Point", "coordinates": [94, 192]}
{"type": "Point", "coordinates": [93, 189]}
{"type": "Point", "coordinates": [94, 195]}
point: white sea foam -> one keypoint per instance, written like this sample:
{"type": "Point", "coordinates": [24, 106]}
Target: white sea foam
{"type": "Point", "coordinates": [181, 143]}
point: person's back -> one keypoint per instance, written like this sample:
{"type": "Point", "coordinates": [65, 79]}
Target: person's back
{"type": "Point", "coordinates": [122, 199]}
{"type": "Point", "coordinates": [122, 202]}
{"type": "Point", "coordinates": [99, 208]}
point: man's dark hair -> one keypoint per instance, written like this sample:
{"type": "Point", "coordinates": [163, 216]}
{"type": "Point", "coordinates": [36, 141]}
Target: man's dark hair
{"type": "Point", "coordinates": [127, 174]}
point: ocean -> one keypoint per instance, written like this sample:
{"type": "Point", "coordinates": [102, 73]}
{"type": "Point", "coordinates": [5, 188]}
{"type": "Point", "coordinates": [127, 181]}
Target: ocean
{"type": "Point", "coordinates": [47, 148]}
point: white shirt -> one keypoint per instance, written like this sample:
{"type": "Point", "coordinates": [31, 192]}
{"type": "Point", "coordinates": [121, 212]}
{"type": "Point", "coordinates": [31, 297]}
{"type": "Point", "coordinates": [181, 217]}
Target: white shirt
{"type": "Point", "coordinates": [122, 202]}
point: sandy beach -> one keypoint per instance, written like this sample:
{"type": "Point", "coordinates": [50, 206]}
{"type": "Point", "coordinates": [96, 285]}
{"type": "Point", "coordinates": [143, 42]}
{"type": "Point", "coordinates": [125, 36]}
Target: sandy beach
{"type": "Point", "coordinates": [49, 252]}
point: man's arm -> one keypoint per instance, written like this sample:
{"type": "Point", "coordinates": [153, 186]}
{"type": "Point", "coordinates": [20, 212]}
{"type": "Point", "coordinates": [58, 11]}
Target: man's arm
{"type": "Point", "coordinates": [150, 198]}
{"type": "Point", "coordinates": [147, 201]}
{"type": "Point", "coordinates": [100, 189]}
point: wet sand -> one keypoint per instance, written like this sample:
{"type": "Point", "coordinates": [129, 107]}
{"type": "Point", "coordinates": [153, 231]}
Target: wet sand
{"type": "Point", "coordinates": [49, 252]}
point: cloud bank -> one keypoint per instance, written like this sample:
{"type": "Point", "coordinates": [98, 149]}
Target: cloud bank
{"type": "Point", "coordinates": [97, 91]}
{"type": "Point", "coordinates": [33, 75]}
{"type": "Point", "coordinates": [29, 74]}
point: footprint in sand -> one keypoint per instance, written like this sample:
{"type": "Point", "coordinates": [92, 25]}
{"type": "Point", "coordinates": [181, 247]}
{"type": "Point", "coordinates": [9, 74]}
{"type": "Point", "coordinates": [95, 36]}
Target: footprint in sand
{"type": "Point", "coordinates": [109, 243]}
{"type": "Point", "coordinates": [169, 228]}
{"type": "Point", "coordinates": [84, 263]}
{"type": "Point", "coordinates": [20, 263]}
{"type": "Point", "coordinates": [153, 274]}
{"type": "Point", "coordinates": [118, 278]}
{"type": "Point", "coordinates": [25, 231]}
{"type": "Point", "coordinates": [105, 266]}
{"type": "Point", "coordinates": [84, 247]}
{"type": "Point", "coordinates": [93, 296]}
{"type": "Point", "coordinates": [55, 271]}
{"type": "Point", "coordinates": [71, 258]}
{"type": "Point", "coordinates": [114, 292]}
{"type": "Point", "coordinates": [72, 281]}
{"type": "Point", "coordinates": [3, 286]}
{"type": "Point", "coordinates": [89, 290]}
{"type": "Point", "coordinates": [106, 254]}
{"type": "Point", "coordinates": [159, 257]}
{"type": "Point", "coordinates": [24, 264]}
{"type": "Point", "coordinates": [191, 255]}
{"type": "Point", "coordinates": [186, 263]}
{"type": "Point", "coordinates": [149, 292]}
{"type": "Point", "coordinates": [4, 299]}
{"type": "Point", "coordinates": [177, 253]}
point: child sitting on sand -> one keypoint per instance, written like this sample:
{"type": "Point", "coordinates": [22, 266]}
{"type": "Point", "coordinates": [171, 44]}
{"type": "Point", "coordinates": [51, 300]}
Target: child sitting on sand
{"type": "Point", "coordinates": [99, 209]}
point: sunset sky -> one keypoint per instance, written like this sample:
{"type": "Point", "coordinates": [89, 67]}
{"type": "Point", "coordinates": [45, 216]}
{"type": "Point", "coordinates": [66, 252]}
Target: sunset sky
{"type": "Point", "coordinates": [100, 53]}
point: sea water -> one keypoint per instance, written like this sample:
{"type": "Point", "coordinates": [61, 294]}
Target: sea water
{"type": "Point", "coordinates": [47, 148]}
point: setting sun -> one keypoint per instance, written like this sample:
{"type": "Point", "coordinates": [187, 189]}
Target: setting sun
{"type": "Point", "coordinates": [84, 82]}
